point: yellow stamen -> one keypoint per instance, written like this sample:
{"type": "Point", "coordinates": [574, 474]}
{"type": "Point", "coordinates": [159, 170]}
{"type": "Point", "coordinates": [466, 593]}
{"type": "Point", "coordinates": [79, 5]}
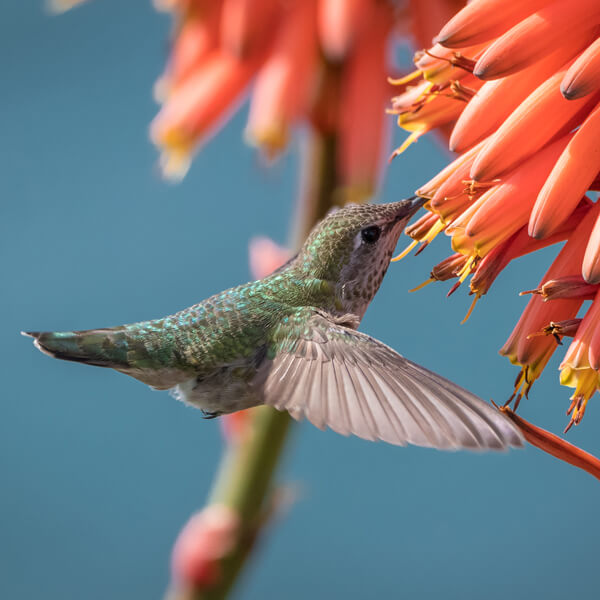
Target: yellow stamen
{"type": "Point", "coordinates": [477, 296]}
{"type": "Point", "coordinates": [405, 79]}
{"type": "Point", "coordinates": [405, 251]}
{"type": "Point", "coordinates": [422, 285]}
{"type": "Point", "coordinates": [467, 268]}
{"type": "Point", "coordinates": [413, 137]}
{"type": "Point", "coordinates": [437, 227]}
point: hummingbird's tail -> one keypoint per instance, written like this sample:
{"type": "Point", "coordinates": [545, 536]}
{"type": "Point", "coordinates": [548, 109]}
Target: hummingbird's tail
{"type": "Point", "coordinates": [99, 347]}
{"type": "Point", "coordinates": [130, 349]}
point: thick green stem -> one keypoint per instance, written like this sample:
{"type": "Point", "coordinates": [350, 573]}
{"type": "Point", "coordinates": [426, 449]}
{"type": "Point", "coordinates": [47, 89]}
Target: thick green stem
{"type": "Point", "coordinates": [244, 482]}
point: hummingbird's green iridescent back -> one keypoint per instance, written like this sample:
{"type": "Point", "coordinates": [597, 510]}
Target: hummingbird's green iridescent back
{"type": "Point", "coordinates": [289, 340]}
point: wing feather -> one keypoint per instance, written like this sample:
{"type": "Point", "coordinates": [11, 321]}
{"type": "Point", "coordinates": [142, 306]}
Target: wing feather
{"type": "Point", "coordinates": [340, 378]}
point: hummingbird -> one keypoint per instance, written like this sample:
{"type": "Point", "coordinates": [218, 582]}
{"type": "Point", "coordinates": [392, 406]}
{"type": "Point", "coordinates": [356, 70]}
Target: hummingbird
{"type": "Point", "coordinates": [290, 341]}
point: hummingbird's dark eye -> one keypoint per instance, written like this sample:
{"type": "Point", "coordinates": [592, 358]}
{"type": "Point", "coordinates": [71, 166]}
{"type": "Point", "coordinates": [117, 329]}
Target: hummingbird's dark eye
{"type": "Point", "coordinates": [370, 234]}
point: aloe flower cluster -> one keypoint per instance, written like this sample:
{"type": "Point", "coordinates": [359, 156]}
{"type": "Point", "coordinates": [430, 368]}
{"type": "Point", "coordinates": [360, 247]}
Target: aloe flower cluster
{"type": "Point", "coordinates": [319, 64]}
{"type": "Point", "coordinates": [517, 86]}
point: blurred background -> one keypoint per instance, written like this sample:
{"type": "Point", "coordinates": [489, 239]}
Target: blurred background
{"type": "Point", "coordinates": [99, 473]}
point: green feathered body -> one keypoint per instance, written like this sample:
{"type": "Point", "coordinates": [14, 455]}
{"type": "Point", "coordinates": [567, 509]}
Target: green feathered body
{"type": "Point", "coordinates": [219, 342]}
{"type": "Point", "coordinates": [290, 341]}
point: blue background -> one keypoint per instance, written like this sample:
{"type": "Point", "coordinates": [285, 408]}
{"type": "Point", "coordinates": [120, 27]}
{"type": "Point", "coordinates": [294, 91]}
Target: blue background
{"type": "Point", "coordinates": [99, 473]}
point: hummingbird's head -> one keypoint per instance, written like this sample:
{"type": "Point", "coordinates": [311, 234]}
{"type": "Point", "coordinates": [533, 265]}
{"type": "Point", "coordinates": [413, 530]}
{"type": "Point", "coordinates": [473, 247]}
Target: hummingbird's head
{"type": "Point", "coordinates": [353, 247]}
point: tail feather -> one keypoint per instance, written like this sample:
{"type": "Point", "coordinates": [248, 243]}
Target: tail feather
{"type": "Point", "coordinates": [127, 349]}
{"type": "Point", "coordinates": [98, 347]}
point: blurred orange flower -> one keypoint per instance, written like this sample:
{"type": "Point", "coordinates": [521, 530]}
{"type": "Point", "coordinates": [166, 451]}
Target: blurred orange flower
{"type": "Point", "coordinates": [316, 63]}
{"type": "Point", "coordinates": [518, 84]}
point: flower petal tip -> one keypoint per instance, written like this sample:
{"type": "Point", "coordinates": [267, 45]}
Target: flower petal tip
{"type": "Point", "coordinates": [571, 92]}
{"type": "Point", "coordinates": [537, 230]}
{"type": "Point", "coordinates": [591, 276]}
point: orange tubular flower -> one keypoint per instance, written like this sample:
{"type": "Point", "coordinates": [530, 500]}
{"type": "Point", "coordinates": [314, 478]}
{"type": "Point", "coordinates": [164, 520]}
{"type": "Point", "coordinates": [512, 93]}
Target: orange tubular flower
{"type": "Point", "coordinates": [286, 82]}
{"type": "Point", "coordinates": [483, 20]}
{"type": "Point", "coordinates": [523, 347]}
{"type": "Point", "coordinates": [365, 91]}
{"type": "Point", "coordinates": [505, 208]}
{"type": "Point", "coordinates": [583, 76]}
{"type": "Point", "coordinates": [537, 35]}
{"type": "Point", "coordinates": [528, 129]}
{"type": "Point", "coordinates": [427, 16]}
{"type": "Point", "coordinates": [528, 152]}
{"type": "Point", "coordinates": [484, 114]}
{"type": "Point", "coordinates": [340, 22]}
{"type": "Point", "coordinates": [243, 23]}
{"type": "Point", "coordinates": [579, 369]}
{"type": "Point", "coordinates": [194, 109]}
{"type": "Point", "coordinates": [316, 63]}
{"type": "Point", "coordinates": [591, 260]}
{"type": "Point", "coordinates": [569, 180]}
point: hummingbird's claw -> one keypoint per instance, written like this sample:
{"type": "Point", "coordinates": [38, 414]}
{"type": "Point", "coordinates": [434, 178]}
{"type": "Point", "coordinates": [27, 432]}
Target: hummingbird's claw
{"type": "Point", "coordinates": [209, 415]}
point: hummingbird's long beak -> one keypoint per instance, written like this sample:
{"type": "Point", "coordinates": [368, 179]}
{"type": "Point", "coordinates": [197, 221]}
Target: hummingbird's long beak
{"type": "Point", "coordinates": [415, 204]}
{"type": "Point", "coordinates": [409, 207]}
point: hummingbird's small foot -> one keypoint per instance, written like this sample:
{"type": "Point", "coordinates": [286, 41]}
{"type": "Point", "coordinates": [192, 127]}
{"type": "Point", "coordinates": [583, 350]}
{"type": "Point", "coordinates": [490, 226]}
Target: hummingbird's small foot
{"type": "Point", "coordinates": [209, 415]}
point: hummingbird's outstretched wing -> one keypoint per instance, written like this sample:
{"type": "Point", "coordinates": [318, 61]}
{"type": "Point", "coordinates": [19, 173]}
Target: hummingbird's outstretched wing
{"type": "Point", "coordinates": [338, 377]}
